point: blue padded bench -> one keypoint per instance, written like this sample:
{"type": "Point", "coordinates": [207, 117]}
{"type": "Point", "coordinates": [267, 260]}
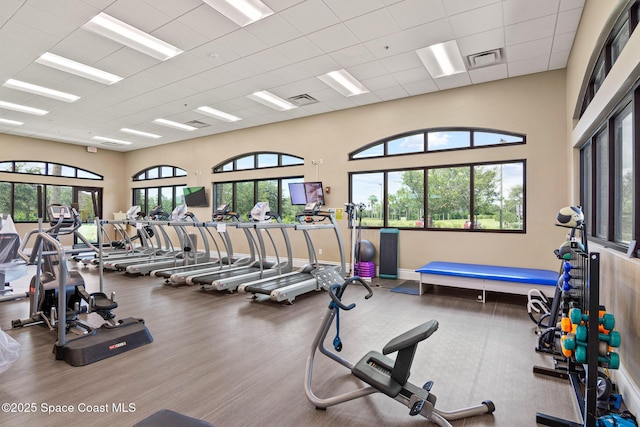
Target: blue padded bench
{"type": "Point", "coordinates": [485, 277]}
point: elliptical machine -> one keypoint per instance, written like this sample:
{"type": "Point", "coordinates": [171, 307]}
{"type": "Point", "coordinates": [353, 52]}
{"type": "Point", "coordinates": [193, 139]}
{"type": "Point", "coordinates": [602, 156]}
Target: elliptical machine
{"type": "Point", "coordinates": [44, 288]}
{"type": "Point", "coordinates": [58, 298]}
{"type": "Point", "coordinates": [381, 373]}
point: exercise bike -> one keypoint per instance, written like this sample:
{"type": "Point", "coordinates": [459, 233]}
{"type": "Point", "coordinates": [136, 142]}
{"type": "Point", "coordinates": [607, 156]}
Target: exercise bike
{"type": "Point", "coordinates": [381, 373]}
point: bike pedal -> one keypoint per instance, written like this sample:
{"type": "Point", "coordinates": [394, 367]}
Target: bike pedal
{"type": "Point", "coordinates": [427, 386]}
{"type": "Point", "coordinates": [417, 407]}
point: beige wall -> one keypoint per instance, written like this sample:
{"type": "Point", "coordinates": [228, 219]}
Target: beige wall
{"type": "Point", "coordinates": [109, 164]}
{"type": "Point", "coordinates": [533, 105]}
{"type": "Point", "coordinates": [620, 287]}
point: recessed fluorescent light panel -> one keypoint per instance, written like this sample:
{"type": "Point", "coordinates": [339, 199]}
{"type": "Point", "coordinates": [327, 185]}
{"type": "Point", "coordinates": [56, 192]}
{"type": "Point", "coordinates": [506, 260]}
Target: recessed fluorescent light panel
{"type": "Point", "coordinates": [176, 125]}
{"type": "Point", "coordinates": [217, 114]}
{"type": "Point", "coordinates": [113, 140]}
{"type": "Point", "coordinates": [443, 59]}
{"type": "Point", "coordinates": [140, 133]}
{"type": "Point", "coordinates": [40, 90]}
{"type": "Point", "coordinates": [271, 100]}
{"type": "Point", "coordinates": [116, 30]}
{"type": "Point", "coordinates": [242, 12]}
{"type": "Point", "coordinates": [67, 65]}
{"type": "Point", "coordinates": [343, 82]}
{"type": "Point", "coordinates": [23, 108]}
{"type": "Point", "coordinates": [10, 122]}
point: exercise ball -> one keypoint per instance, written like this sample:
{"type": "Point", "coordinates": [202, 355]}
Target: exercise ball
{"type": "Point", "coordinates": [365, 251]}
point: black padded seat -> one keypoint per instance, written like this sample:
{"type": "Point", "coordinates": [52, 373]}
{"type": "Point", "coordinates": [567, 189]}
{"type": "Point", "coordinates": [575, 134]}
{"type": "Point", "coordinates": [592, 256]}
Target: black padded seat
{"type": "Point", "coordinates": [375, 369]}
{"type": "Point", "coordinates": [168, 418]}
{"type": "Point", "coordinates": [101, 302]}
{"type": "Point", "coordinates": [384, 373]}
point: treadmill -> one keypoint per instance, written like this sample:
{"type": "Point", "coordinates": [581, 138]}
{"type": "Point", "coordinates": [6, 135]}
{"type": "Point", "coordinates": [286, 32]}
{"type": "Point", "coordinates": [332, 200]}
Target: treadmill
{"type": "Point", "coordinates": [159, 220]}
{"type": "Point", "coordinates": [188, 254]}
{"type": "Point", "coordinates": [286, 287]}
{"type": "Point", "coordinates": [221, 219]}
{"type": "Point", "coordinates": [261, 220]}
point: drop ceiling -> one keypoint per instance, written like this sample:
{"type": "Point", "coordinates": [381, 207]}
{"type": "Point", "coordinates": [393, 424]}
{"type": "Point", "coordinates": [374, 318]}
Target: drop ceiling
{"type": "Point", "coordinates": [222, 63]}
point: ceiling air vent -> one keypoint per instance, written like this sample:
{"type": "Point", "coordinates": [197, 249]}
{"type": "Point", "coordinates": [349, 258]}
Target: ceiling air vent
{"type": "Point", "coordinates": [197, 124]}
{"type": "Point", "coordinates": [111, 144]}
{"type": "Point", "coordinates": [485, 59]}
{"type": "Point", "coordinates": [302, 100]}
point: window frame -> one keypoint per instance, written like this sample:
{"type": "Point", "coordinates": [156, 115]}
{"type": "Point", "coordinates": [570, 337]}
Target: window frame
{"type": "Point", "coordinates": [46, 191]}
{"type": "Point", "coordinates": [425, 223]}
{"type": "Point", "coordinates": [629, 16]}
{"type": "Point", "coordinates": [353, 156]}
{"type": "Point", "coordinates": [143, 175]}
{"type": "Point", "coordinates": [231, 164]}
{"type": "Point", "coordinates": [589, 172]}
{"type": "Point", "coordinates": [48, 166]}
{"type": "Point", "coordinates": [256, 183]}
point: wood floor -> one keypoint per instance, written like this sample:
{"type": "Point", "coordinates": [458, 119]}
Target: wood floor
{"type": "Point", "coordinates": [235, 362]}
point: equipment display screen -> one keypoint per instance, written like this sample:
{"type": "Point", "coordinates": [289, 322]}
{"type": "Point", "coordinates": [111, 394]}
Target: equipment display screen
{"type": "Point", "coordinates": [306, 192]}
{"type": "Point", "coordinates": [195, 197]}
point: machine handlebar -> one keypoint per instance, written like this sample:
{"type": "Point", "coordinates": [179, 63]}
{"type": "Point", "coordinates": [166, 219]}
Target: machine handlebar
{"type": "Point", "coordinates": [336, 291]}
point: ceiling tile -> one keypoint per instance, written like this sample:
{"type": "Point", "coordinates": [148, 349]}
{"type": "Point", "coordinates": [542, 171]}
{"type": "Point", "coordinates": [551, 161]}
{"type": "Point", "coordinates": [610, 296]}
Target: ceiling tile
{"type": "Point", "coordinates": [489, 40]}
{"type": "Point", "coordinates": [450, 82]}
{"type": "Point", "coordinates": [273, 30]}
{"type": "Point", "coordinates": [333, 38]}
{"type": "Point", "coordinates": [410, 13]}
{"type": "Point", "coordinates": [477, 20]}
{"type": "Point", "coordinates": [558, 60]}
{"type": "Point", "coordinates": [571, 4]}
{"type": "Point", "coordinates": [524, 10]}
{"type": "Point", "coordinates": [563, 42]}
{"type": "Point", "coordinates": [299, 49]}
{"type": "Point", "coordinates": [299, 15]}
{"type": "Point", "coordinates": [401, 62]}
{"type": "Point", "coordinates": [352, 55]}
{"type": "Point", "coordinates": [372, 25]}
{"type": "Point", "coordinates": [242, 43]}
{"type": "Point", "coordinates": [530, 30]}
{"type": "Point", "coordinates": [568, 21]}
{"type": "Point", "coordinates": [530, 49]}
{"type": "Point", "coordinates": [528, 66]}
{"type": "Point", "coordinates": [454, 7]}
{"type": "Point", "coordinates": [346, 10]}
{"type": "Point", "coordinates": [208, 22]}
{"type": "Point", "coordinates": [494, 72]}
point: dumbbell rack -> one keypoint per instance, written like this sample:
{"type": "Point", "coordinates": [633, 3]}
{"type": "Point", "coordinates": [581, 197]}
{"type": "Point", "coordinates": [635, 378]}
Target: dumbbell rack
{"type": "Point", "coordinates": [587, 394]}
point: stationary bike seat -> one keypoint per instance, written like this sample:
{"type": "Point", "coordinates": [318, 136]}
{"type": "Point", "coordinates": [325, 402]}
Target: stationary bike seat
{"type": "Point", "coordinates": [102, 302]}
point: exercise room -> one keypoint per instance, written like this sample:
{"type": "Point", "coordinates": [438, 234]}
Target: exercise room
{"type": "Point", "coordinates": [319, 213]}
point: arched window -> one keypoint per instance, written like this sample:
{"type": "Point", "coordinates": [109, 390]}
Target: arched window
{"type": "Point", "coordinates": [158, 172]}
{"type": "Point", "coordinates": [437, 139]}
{"type": "Point", "coordinates": [261, 160]}
{"type": "Point", "coordinates": [31, 167]}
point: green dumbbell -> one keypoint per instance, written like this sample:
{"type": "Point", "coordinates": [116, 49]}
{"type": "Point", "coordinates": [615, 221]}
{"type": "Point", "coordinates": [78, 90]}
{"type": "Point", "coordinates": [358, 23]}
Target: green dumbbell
{"type": "Point", "coordinates": [608, 320]}
{"type": "Point", "coordinates": [611, 361]}
{"type": "Point", "coordinates": [612, 339]}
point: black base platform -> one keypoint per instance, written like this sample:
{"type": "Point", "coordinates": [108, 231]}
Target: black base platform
{"type": "Point", "coordinates": [104, 342]}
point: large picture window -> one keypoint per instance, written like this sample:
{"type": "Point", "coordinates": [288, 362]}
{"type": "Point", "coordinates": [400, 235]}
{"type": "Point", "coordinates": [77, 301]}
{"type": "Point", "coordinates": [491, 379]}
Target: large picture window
{"type": "Point", "coordinates": [469, 197]}
{"type": "Point", "coordinates": [20, 200]}
{"type": "Point", "coordinates": [243, 195]}
{"type": "Point", "coordinates": [166, 197]}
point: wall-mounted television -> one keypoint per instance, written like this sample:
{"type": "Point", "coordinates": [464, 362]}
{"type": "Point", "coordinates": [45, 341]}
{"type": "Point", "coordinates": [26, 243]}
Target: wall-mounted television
{"type": "Point", "coordinates": [195, 197]}
{"type": "Point", "coordinates": [306, 192]}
